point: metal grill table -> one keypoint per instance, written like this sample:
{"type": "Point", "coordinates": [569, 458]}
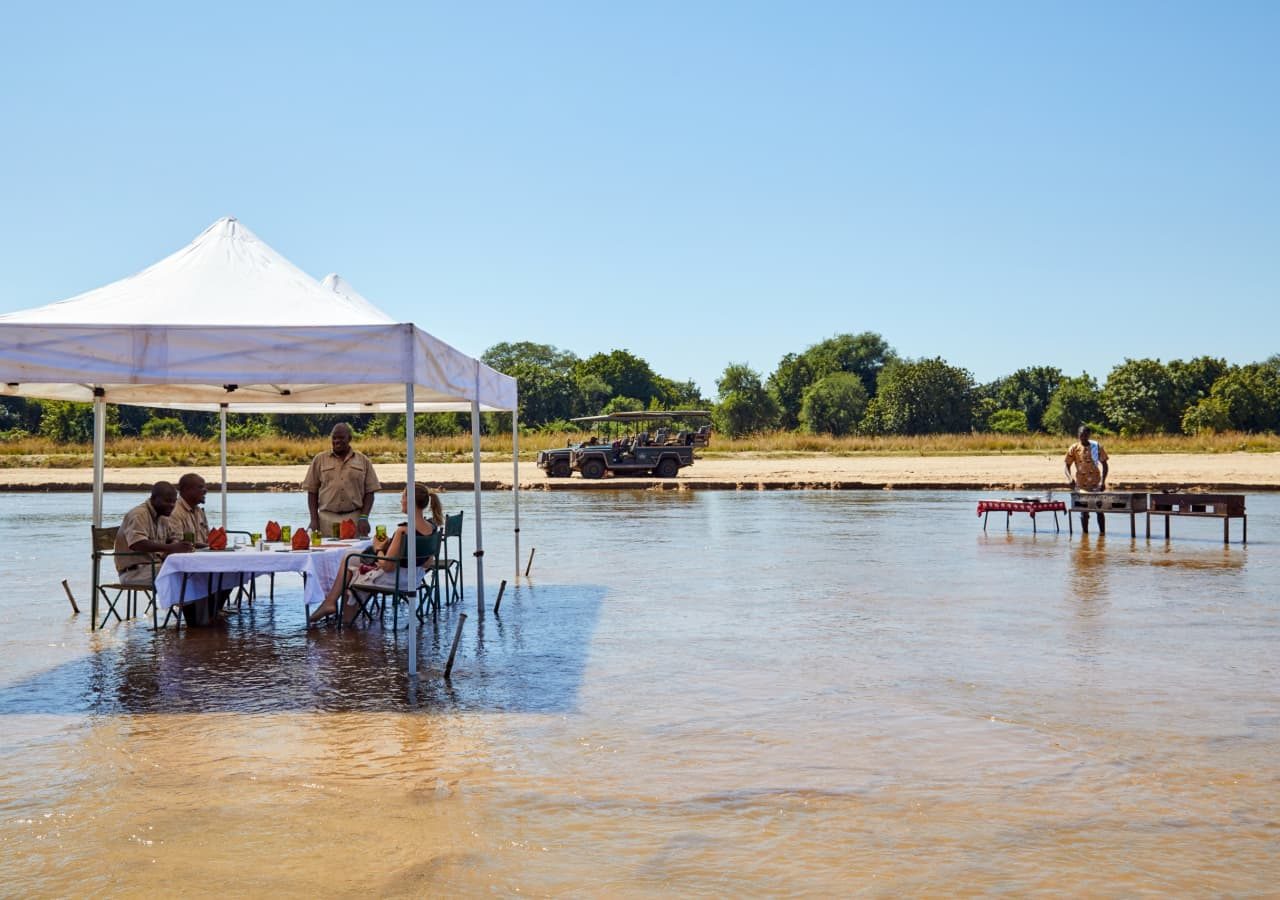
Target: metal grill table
{"type": "Point", "coordinates": [1216, 506]}
{"type": "Point", "coordinates": [1122, 502]}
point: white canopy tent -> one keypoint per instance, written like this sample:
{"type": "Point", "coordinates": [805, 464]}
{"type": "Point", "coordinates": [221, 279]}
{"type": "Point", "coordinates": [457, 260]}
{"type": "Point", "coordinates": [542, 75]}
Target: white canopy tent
{"type": "Point", "coordinates": [229, 323]}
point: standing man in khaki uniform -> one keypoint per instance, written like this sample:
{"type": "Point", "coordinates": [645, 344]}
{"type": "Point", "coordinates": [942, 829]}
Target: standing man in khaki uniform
{"type": "Point", "coordinates": [340, 484]}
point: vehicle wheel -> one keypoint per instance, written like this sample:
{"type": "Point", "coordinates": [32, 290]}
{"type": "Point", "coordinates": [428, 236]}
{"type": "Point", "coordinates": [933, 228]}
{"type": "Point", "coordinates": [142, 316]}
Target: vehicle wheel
{"type": "Point", "coordinates": [667, 468]}
{"type": "Point", "coordinates": [593, 468]}
{"type": "Point", "coordinates": [560, 469]}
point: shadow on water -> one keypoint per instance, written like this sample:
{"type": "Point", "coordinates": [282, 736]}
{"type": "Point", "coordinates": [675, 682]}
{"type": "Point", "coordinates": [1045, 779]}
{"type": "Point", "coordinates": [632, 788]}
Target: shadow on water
{"type": "Point", "coordinates": [531, 658]}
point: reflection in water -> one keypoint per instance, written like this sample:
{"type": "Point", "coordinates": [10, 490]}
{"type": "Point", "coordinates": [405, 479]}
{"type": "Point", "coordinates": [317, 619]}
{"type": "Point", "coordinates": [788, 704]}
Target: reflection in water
{"type": "Point", "coordinates": [1089, 569]}
{"type": "Point", "coordinates": [721, 693]}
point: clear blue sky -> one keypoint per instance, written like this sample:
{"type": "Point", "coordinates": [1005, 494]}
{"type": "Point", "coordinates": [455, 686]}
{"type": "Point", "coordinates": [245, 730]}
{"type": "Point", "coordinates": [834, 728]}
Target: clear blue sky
{"type": "Point", "coordinates": [998, 183]}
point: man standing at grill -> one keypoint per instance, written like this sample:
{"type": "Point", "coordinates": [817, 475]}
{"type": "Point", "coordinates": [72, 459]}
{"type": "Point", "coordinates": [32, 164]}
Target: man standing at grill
{"type": "Point", "coordinates": [340, 484]}
{"type": "Point", "coordinates": [1090, 461]}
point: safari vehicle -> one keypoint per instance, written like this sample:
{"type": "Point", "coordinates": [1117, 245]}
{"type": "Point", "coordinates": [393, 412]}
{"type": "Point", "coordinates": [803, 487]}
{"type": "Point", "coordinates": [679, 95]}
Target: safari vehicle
{"type": "Point", "coordinates": [622, 443]}
{"type": "Point", "coordinates": [556, 463]}
{"type": "Point", "coordinates": [662, 452]}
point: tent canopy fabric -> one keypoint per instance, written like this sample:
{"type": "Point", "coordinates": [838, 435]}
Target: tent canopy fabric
{"type": "Point", "coordinates": [229, 321]}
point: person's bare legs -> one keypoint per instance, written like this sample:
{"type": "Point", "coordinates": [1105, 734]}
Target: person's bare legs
{"type": "Point", "coordinates": [330, 603]}
{"type": "Point", "coordinates": [351, 608]}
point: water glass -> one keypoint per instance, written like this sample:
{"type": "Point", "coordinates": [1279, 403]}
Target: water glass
{"type": "Point", "coordinates": [380, 532]}
{"type": "Point", "coordinates": [286, 533]}
{"type": "Point", "coordinates": [316, 537]}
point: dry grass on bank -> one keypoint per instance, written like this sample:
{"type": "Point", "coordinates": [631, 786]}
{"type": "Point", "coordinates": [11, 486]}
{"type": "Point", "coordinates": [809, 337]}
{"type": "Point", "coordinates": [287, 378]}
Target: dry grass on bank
{"type": "Point", "coordinates": [191, 451]}
{"type": "Point", "coordinates": [783, 442]}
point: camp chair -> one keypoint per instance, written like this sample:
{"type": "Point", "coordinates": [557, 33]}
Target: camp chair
{"type": "Point", "coordinates": [371, 598]}
{"type": "Point", "coordinates": [451, 565]}
{"type": "Point", "coordinates": [104, 546]}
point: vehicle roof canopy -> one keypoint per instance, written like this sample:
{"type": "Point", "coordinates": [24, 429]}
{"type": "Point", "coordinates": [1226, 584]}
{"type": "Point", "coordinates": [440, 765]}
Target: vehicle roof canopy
{"type": "Point", "coordinates": [646, 416]}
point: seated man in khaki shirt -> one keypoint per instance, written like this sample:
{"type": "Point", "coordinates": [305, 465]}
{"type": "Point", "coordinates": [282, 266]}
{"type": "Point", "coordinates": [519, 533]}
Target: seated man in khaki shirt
{"type": "Point", "coordinates": [189, 518]}
{"type": "Point", "coordinates": [340, 484]}
{"type": "Point", "coordinates": [146, 529]}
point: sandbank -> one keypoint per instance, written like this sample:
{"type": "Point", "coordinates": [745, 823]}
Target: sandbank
{"type": "Point", "coordinates": [1189, 471]}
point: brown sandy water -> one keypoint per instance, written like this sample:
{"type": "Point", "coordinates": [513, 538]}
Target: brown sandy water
{"type": "Point", "coordinates": [709, 693]}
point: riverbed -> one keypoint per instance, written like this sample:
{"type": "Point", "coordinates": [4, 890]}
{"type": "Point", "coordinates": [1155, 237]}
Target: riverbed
{"type": "Point", "coordinates": [725, 693]}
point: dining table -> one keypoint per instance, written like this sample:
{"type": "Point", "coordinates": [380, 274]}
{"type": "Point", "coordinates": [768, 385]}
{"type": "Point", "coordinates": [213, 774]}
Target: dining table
{"type": "Point", "coordinates": [187, 577]}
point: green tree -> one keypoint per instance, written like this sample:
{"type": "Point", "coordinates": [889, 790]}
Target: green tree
{"type": "Point", "coordinates": [745, 406]}
{"type": "Point", "coordinates": [593, 393]}
{"type": "Point", "coordinates": [834, 404]}
{"type": "Point", "coordinates": [1076, 402]}
{"type": "Point", "coordinates": [626, 374]}
{"type": "Point", "coordinates": [863, 355]}
{"type": "Point", "coordinates": [926, 396]}
{"type": "Point", "coordinates": [1207, 416]}
{"type": "Point", "coordinates": [1138, 398]}
{"type": "Point", "coordinates": [787, 384]}
{"type": "Point", "coordinates": [68, 422]}
{"type": "Point", "coordinates": [20, 415]}
{"type": "Point", "coordinates": [163, 426]}
{"type": "Point", "coordinates": [1251, 396]}
{"type": "Point", "coordinates": [504, 356]}
{"type": "Point", "coordinates": [622, 404]}
{"type": "Point", "coordinates": [1193, 379]}
{"type": "Point", "coordinates": [548, 389]}
{"type": "Point", "coordinates": [1029, 390]}
{"type": "Point", "coordinates": [545, 393]}
{"type": "Point", "coordinates": [1009, 421]}
{"type": "Point", "coordinates": [679, 395]}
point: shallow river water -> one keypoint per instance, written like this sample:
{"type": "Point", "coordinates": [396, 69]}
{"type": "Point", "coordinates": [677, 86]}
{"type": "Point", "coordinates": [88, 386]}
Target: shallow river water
{"type": "Point", "coordinates": [716, 693]}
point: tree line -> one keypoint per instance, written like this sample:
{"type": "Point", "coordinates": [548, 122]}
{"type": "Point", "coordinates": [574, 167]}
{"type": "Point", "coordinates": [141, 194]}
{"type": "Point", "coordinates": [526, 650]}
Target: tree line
{"type": "Point", "coordinates": [857, 384]}
{"type": "Point", "coordinates": [844, 385]}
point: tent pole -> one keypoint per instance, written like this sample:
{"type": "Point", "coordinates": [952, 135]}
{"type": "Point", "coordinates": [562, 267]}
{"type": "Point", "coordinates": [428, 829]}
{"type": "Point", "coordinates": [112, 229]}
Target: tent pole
{"type": "Point", "coordinates": [222, 422]}
{"type": "Point", "coordinates": [411, 545]}
{"type": "Point", "coordinates": [99, 452]}
{"type": "Point", "coordinates": [475, 464]}
{"type": "Point", "coordinates": [515, 481]}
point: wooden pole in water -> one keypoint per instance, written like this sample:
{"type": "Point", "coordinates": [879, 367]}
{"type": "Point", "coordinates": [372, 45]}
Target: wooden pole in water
{"type": "Point", "coordinates": [66, 587]}
{"type": "Point", "coordinates": [532, 550]}
{"type": "Point", "coordinates": [496, 603]}
{"type": "Point", "coordinates": [457, 635]}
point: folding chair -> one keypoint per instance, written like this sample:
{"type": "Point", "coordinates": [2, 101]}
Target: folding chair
{"type": "Point", "coordinates": [370, 597]}
{"type": "Point", "coordinates": [104, 546]}
{"type": "Point", "coordinates": [451, 565]}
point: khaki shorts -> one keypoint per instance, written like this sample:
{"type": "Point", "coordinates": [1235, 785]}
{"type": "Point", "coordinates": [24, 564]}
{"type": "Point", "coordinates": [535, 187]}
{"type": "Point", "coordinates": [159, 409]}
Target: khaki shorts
{"type": "Point", "coordinates": [142, 575]}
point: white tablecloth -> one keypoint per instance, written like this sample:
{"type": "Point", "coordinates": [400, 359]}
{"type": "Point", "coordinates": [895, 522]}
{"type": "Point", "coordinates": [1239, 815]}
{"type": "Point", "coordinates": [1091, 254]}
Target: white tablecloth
{"type": "Point", "coordinates": [322, 568]}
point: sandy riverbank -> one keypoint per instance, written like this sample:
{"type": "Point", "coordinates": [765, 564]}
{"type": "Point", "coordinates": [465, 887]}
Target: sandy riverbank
{"type": "Point", "coordinates": [1226, 471]}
